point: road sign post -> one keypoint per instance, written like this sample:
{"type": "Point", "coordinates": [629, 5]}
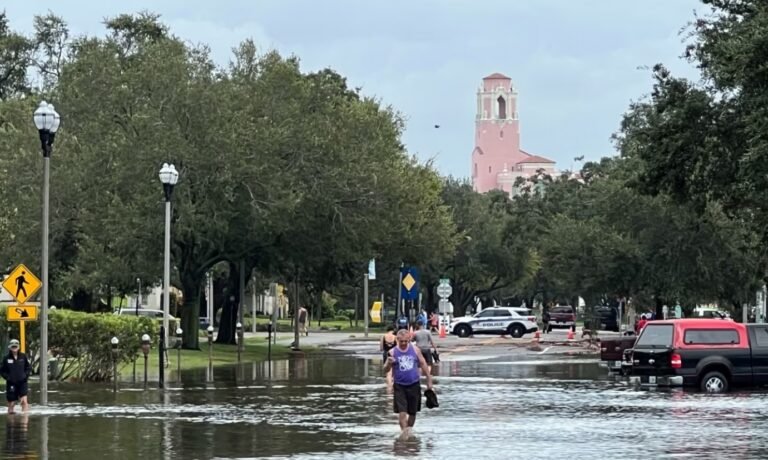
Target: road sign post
{"type": "Point", "coordinates": [444, 290]}
{"type": "Point", "coordinates": [21, 314]}
{"type": "Point", "coordinates": [365, 304]}
{"type": "Point", "coordinates": [22, 285]}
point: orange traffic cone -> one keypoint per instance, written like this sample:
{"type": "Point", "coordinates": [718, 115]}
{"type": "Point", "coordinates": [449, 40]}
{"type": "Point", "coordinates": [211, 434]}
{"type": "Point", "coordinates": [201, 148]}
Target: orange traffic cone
{"type": "Point", "coordinates": [536, 336]}
{"type": "Point", "coordinates": [570, 334]}
{"type": "Point", "coordinates": [442, 331]}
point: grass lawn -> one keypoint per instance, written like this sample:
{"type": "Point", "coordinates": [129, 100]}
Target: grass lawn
{"type": "Point", "coordinates": [255, 349]}
{"type": "Point", "coordinates": [332, 325]}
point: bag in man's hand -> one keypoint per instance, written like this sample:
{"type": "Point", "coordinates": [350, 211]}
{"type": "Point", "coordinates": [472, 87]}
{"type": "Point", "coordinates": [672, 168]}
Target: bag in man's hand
{"type": "Point", "coordinates": [435, 356]}
{"type": "Point", "coordinates": [431, 399]}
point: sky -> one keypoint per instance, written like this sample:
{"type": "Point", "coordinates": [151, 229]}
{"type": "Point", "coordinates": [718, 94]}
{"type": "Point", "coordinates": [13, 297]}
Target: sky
{"type": "Point", "coordinates": [577, 65]}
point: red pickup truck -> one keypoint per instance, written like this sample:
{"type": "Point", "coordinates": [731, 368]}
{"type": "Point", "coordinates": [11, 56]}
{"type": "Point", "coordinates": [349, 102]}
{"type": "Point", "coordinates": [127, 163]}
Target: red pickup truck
{"type": "Point", "coordinates": [710, 354]}
{"type": "Point", "coordinates": [562, 316]}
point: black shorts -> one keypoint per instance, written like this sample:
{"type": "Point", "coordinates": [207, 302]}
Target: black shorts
{"type": "Point", "coordinates": [14, 391]}
{"type": "Point", "coordinates": [427, 354]}
{"type": "Point", "coordinates": [407, 398]}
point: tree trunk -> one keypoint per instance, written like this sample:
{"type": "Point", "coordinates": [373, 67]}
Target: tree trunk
{"type": "Point", "coordinates": [229, 313]}
{"type": "Point", "coordinates": [191, 285]}
{"type": "Point", "coordinates": [659, 307]}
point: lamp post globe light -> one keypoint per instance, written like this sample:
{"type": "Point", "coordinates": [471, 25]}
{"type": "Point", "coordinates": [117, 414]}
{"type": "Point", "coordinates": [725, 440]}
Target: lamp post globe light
{"type": "Point", "coordinates": [114, 341]}
{"type": "Point", "coordinates": [47, 122]}
{"type": "Point", "coordinates": [168, 177]}
{"type": "Point", "coordinates": [145, 344]}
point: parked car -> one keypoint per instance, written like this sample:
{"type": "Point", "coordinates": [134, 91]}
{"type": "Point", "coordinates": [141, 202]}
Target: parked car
{"type": "Point", "coordinates": [562, 316]}
{"type": "Point", "coordinates": [494, 320]}
{"type": "Point", "coordinates": [608, 318]}
{"type": "Point", "coordinates": [522, 311]}
{"type": "Point", "coordinates": [612, 352]}
{"type": "Point", "coordinates": [710, 354]}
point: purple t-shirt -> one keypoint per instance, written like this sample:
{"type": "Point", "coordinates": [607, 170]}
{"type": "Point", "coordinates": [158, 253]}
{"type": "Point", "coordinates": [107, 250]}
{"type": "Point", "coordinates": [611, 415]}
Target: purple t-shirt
{"type": "Point", "coordinates": [407, 367]}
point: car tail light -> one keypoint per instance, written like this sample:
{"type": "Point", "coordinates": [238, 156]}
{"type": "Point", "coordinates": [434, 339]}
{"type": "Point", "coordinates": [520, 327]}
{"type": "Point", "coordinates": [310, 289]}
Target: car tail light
{"type": "Point", "coordinates": [676, 361]}
{"type": "Point", "coordinates": [532, 319]}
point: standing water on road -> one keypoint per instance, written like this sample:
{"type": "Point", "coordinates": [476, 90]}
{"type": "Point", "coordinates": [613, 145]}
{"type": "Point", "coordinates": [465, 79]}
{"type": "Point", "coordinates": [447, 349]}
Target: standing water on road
{"type": "Point", "coordinates": [537, 406]}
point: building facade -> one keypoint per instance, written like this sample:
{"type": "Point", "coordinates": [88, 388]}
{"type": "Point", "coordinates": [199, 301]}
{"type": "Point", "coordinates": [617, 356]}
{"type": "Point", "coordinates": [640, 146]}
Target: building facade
{"type": "Point", "coordinates": [497, 159]}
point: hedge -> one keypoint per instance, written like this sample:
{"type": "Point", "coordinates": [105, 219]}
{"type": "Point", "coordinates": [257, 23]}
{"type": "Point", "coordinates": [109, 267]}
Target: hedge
{"type": "Point", "coordinates": [80, 344]}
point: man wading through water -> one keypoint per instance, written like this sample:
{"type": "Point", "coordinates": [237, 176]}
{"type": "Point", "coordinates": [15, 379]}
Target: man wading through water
{"type": "Point", "coordinates": [406, 361]}
{"type": "Point", "coordinates": [15, 370]}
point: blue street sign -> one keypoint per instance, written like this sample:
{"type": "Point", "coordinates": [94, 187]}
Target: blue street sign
{"type": "Point", "coordinates": [409, 288]}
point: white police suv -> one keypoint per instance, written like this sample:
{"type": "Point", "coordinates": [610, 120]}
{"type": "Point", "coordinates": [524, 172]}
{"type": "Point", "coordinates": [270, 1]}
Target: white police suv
{"type": "Point", "coordinates": [494, 320]}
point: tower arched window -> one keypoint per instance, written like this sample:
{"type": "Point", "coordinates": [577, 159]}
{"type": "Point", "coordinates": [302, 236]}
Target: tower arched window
{"type": "Point", "coordinates": [502, 107]}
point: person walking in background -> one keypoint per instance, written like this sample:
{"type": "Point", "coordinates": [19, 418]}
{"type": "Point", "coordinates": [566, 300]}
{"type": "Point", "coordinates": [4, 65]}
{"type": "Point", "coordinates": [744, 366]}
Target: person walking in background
{"type": "Point", "coordinates": [388, 342]}
{"type": "Point", "coordinates": [405, 361]}
{"type": "Point", "coordinates": [434, 321]}
{"type": "Point", "coordinates": [641, 324]}
{"type": "Point", "coordinates": [545, 319]}
{"type": "Point", "coordinates": [15, 370]}
{"type": "Point", "coordinates": [422, 317]}
{"type": "Point", "coordinates": [423, 339]}
{"type": "Point", "coordinates": [303, 321]}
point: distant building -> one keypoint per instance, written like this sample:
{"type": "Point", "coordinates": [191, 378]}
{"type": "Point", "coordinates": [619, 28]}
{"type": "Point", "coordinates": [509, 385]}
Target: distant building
{"type": "Point", "coordinates": [498, 160]}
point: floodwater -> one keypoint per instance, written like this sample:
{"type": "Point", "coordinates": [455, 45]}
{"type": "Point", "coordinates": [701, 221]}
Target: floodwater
{"type": "Point", "coordinates": [526, 405]}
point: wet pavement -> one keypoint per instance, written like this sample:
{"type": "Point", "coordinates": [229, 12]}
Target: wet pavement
{"type": "Point", "coordinates": [498, 403]}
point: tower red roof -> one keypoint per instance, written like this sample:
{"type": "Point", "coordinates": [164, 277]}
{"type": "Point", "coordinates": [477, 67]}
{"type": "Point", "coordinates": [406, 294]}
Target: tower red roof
{"type": "Point", "coordinates": [535, 159]}
{"type": "Point", "coordinates": [496, 76]}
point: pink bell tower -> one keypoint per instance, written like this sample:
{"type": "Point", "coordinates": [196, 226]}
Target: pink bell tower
{"type": "Point", "coordinates": [497, 134]}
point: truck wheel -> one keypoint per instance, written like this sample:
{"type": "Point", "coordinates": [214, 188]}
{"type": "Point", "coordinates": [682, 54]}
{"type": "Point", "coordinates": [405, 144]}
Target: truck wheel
{"type": "Point", "coordinates": [516, 331]}
{"type": "Point", "coordinates": [714, 382]}
{"type": "Point", "coordinates": [463, 330]}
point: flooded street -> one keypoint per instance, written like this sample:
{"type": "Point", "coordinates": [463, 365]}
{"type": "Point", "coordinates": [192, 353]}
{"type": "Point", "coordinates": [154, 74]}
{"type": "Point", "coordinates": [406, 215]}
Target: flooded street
{"type": "Point", "coordinates": [529, 404]}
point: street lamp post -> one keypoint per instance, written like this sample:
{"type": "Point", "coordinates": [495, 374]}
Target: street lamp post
{"type": "Point", "coordinates": [178, 353]}
{"type": "Point", "coordinates": [168, 177]}
{"type": "Point", "coordinates": [239, 328]}
{"type": "Point", "coordinates": [210, 346]}
{"type": "Point", "coordinates": [138, 302]}
{"type": "Point", "coordinates": [47, 122]}
{"type": "Point", "coordinates": [115, 343]}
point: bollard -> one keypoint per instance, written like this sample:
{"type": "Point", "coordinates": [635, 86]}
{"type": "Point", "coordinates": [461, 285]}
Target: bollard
{"type": "Point", "coordinates": [269, 342]}
{"type": "Point", "coordinates": [178, 354]}
{"type": "Point", "coordinates": [145, 346]}
{"type": "Point", "coordinates": [114, 342]}
{"type": "Point", "coordinates": [210, 347]}
{"type": "Point", "coordinates": [161, 362]}
{"type": "Point", "coordinates": [239, 328]}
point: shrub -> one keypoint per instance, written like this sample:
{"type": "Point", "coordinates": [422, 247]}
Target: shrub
{"type": "Point", "coordinates": [80, 342]}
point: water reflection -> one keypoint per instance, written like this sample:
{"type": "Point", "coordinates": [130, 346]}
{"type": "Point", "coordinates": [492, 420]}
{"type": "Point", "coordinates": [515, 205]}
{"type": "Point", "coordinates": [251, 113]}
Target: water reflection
{"type": "Point", "coordinates": [308, 408]}
{"type": "Point", "coordinates": [16, 437]}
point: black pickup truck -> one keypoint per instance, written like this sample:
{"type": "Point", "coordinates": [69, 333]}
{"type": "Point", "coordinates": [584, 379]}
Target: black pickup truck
{"type": "Point", "coordinates": [710, 354]}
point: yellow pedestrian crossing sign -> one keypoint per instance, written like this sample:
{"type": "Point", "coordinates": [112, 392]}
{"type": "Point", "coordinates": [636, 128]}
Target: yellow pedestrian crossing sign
{"type": "Point", "coordinates": [22, 284]}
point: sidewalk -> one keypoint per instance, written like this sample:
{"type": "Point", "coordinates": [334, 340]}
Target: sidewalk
{"type": "Point", "coordinates": [314, 339]}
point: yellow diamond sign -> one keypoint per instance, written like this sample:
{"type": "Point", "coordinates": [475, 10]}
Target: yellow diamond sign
{"type": "Point", "coordinates": [22, 284]}
{"type": "Point", "coordinates": [408, 282]}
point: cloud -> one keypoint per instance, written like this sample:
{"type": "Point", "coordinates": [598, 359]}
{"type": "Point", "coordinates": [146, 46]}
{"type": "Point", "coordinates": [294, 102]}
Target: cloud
{"type": "Point", "coordinates": [574, 62]}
